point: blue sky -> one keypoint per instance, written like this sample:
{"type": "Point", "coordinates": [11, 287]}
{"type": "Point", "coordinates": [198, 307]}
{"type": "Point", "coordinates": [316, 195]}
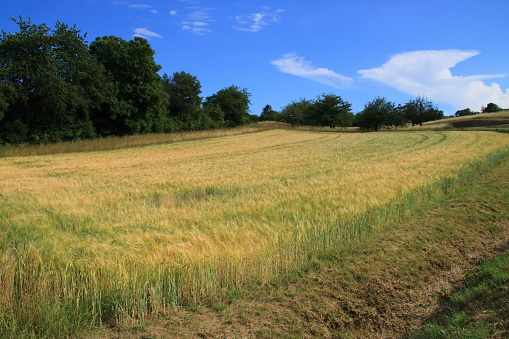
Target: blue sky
{"type": "Point", "coordinates": [455, 52]}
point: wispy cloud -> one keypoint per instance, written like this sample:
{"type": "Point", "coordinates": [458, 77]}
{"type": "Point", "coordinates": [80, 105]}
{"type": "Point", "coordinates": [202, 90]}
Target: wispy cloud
{"type": "Point", "coordinates": [140, 6]}
{"type": "Point", "coordinates": [145, 7]}
{"type": "Point", "coordinates": [256, 21]}
{"type": "Point", "coordinates": [199, 14]}
{"type": "Point", "coordinates": [148, 7]}
{"type": "Point", "coordinates": [145, 33]}
{"type": "Point", "coordinates": [429, 73]}
{"type": "Point", "coordinates": [294, 64]}
{"type": "Point", "coordinates": [196, 27]}
{"type": "Point", "coordinates": [197, 20]}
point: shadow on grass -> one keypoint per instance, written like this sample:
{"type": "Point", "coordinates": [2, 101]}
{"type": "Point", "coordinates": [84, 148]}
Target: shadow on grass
{"type": "Point", "coordinates": [479, 309]}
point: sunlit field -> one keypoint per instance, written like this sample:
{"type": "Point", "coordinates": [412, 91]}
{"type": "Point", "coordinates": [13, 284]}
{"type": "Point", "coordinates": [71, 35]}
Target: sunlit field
{"type": "Point", "coordinates": [88, 237]}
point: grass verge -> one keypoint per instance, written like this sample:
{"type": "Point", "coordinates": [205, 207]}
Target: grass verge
{"type": "Point", "coordinates": [479, 309]}
{"type": "Point", "coordinates": [113, 143]}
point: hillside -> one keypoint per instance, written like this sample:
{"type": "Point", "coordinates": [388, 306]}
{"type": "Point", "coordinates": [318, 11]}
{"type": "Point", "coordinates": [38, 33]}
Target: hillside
{"type": "Point", "coordinates": [387, 286]}
{"type": "Point", "coordinates": [280, 233]}
{"type": "Point", "coordinates": [498, 120]}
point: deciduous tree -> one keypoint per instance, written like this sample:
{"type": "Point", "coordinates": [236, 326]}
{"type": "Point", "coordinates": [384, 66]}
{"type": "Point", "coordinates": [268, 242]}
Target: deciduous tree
{"type": "Point", "coordinates": [268, 114]}
{"type": "Point", "coordinates": [234, 103]}
{"type": "Point", "coordinates": [50, 83]}
{"type": "Point", "coordinates": [420, 110]}
{"type": "Point", "coordinates": [296, 112]}
{"type": "Point", "coordinates": [379, 113]}
{"type": "Point", "coordinates": [185, 101]}
{"type": "Point", "coordinates": [331, 110]}
{"type": "Point", "coordinates": [140, 97]}
{"type": "Point", "coordinates": [490, 108]}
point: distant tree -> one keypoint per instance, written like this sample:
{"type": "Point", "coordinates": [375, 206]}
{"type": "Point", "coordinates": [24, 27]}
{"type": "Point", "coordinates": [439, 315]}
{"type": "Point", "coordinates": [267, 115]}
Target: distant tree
{"type": "Point", "coordinates": [268, 114]}
{"type": "Point", "coordinates": [330, 110]}
{"type": "Point", "coordinates": [490, 108]}
{"type": "Point", "coordinates": [420, 110]}
{"type": "Point", "coordinates": [49, 84]}
{"type": "Point", "coordinates": [296, 112]}
{"type": "Point", "coordinates": [379, 113]}
{"type": "Point", "coordinates": [464, 112]}
{"type": "Point", "coordinates": [253, 118]}
{"type": "Point", "coordinates": [140, 99]}
{"type": "Point", "coordinates": [234, 103]}
{"type": "Point", "coordinates": [185, 101]}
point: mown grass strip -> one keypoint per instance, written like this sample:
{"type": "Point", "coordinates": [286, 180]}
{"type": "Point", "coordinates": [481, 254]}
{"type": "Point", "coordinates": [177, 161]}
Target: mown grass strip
{"type": "Point", "coordinates": [479, 309]}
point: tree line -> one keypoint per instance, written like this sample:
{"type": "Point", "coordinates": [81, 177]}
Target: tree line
{"type": "Point", "coordinates": [331, 110]}
{"type": "Point", "coordinates": [54, 86]}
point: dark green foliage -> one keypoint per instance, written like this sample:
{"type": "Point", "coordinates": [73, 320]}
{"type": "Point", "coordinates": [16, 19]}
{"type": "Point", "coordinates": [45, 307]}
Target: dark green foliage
{"type": "Point", "coordinates": [140, 98]}
{"type": "Point", "coordinates": [185, 104]}
{"type": "Point", "coordinates": [56, 87]}
{"type": "Point", "coordinates": [234, 103]}
{"type": "Point", "coordinates": [49, 84]}
{"type": "Point", "coordinates": [215, 114]}
{"type": "Point", "coordinates": [420, 110]}
{"type": "Point", "coordinates": [379, 113]}
{"type": "Point", "coordinates": [330, 110]}
{"type": "Point", "coordinates": [295, 112]}
{"type": "Point", "coordinates": [326, 110]}
{"type": "Point", "coordinates": [490, 108]}
{"type": "Point", "coordinates": [268, 114]}
{"type": "Point", "coordinates": [464, 112]}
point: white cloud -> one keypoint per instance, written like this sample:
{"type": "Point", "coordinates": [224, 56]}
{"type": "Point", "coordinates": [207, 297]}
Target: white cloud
{"type": "Point", "coordinates": [173, 12]}
{"type": "Point", "coordinates": [145, 33]}
{"type": "Point", "coordinates": [140, 6]}
{"type": "Point", "coordinates": [196, 20]}
{"type": "Point", "coordinates": [199, 14]}
{"type": "Point", "coordinates": [256, 21]}
{"type": "Point", "coordinates": [196, 27]}
{"type": "Point", "coordinates": [429, 73]}
{"type": "Point", "coordinates": [294, 64]}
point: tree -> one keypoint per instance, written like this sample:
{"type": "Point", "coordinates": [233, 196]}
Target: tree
{"type": "Point", "coordinates": [50, 83]}
{"type": "Point", "coordinates": [421, 110]}
{"type": "Point", "coordinates": [140, 99]}
{"type": "Point", "coordinates": [185, 101]}
{"type": "Point", "coordinates": [379, 113]}
{"type": "Point", "coordinates": [490, 108]}
{"type": "Point", "coordinates": [330, 110]}
{"type": "Point", "coordinates": [464, 112]}
{"type": "Point", "coordinates": [234, 103]}
{"type": "Point", "coordinates": [296, 112]}
{"type": "Point", "coordinates": [268, 114]}
{"type": "Point", "coordinates": [216, 115]}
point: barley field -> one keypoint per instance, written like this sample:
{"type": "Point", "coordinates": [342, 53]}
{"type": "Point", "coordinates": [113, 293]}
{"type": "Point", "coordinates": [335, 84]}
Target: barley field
{"type": "Point", "coordinates": [119, 234]}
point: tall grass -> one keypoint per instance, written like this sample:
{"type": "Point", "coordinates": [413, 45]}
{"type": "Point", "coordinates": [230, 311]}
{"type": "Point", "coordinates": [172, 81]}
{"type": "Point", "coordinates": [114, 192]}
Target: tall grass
{"type": "Point", "coordinates": [112, 143]}
{"type": "Point", "coordinates": [116, 235]}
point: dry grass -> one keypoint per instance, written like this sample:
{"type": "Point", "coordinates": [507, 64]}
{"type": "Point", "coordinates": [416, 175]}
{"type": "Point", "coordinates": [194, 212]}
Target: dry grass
{"type": "Point", "coordinates": [492, 120]}
{"type": "Point", "coordinates": [112, 143]}
{"type": "Point", "coordinates": [126, 232]}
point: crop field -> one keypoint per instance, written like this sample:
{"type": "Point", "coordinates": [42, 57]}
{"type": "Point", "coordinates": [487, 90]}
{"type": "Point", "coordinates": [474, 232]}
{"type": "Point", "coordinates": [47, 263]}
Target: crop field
{"type": "Point", "coordinates": [119, 234]}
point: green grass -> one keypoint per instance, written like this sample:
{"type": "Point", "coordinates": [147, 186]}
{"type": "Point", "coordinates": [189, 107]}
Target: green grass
{"type": "Point", "coordinates": [479, 309]}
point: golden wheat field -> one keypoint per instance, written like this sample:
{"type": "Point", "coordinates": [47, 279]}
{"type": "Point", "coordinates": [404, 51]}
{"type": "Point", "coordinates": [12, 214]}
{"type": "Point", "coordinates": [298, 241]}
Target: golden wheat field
{"type": "Point", "coordinates": [123, 233]}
